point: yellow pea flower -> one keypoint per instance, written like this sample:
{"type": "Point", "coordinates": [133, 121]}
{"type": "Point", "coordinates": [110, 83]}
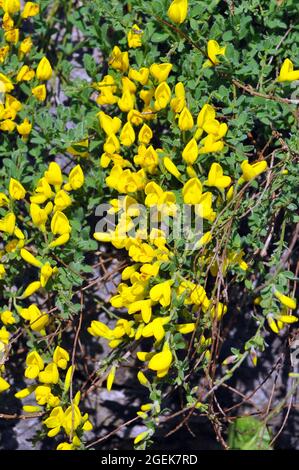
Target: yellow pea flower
{"type": "Point", "coordinates": [61, 357]}
{"type": "Point", "coordinates": [7, 317]}
{"type": "Point", "coordinates": [185, 120]}
{"type": "Point", "coordinates": [127, 135]}
{"type": "Point", "coordinates": [55, 421]}
{"type": "Point", "coordinates": [5, 84]}
{"type": "Point", "coordinates": [62, 201]}
{"type": "Point", "coordinates": [142, 378]}
{"type": "Point", "coordinates": [108, 124]}
{"type": "Point", "coordinates": [12, 36]}
{"type": "Point", "coordinates": [46, 272]}
{"type": "Point", "coordinates": [190, 152]}
{"type": "Point", "coordinates": [286, 300]}
{"type": "Point", "coordinates": [49, 375]}
{"type": "Point", "coordinates": [30, 9]}
{"type": "Point", "coordinates": [287, 72]}
{"type": "Point", "coordinates": [7, 223]}
{"type": "Point", "coordinates": [39, 92]}
{"type": "Point", "coordinates": [53, 175]}
{"type": "Point", "coordinates": [214, 50]}
{"type": "Point", "coordinates": [143, 306]}
{"type": "Point", "coordinates": [185, 328]}
{"type": "Point", "coordinates": [251, 171]}
{"type": "Point", "coordinates": [119, 60]}
{"type": "Point", "coordinates": [11, 6]}
{"type": "Point", "coordinates": [192, 191]}
{"type": "Point", "coordinates": [25, 392]}
{"type": "Point", "coordinates": [29, 258]}
{"type": "Point", "coordinates": [110, 378]}
{"type": "Point", "coordinates": [16, 190]}
{"type": "Point", "coordinates": [44, 70]}
{"type": "Point", "coordinates": [3, 53]}
{"type": "Point", "coordinates": [24, 128]}
{"type": "Point", "coordinates": [40, 216]}
{"type": "Point", "coordinates": [31, 289]}
{"type": "Point", "coordinates": [162, 96]}
{"type": "Point", "coordinates": [25, 74]}
{"type": "Point", "coordinates": [145, 134]}
{"type": "Point", "coordinates": [160, 71]}
{"type": "Point", "coordinates": [289, 319]}
{"type": "Point", "coordinates": [162, 293]}
{"type": "Point", "coordinates": [135, 37]}
{"type": "Point", "coordinates": [178, 103]}
{"type": "Point", "coordinates": [140, 75]}
{"type": "Point", "coordinates": [68, 378]}
{"type": "Point", "coordinates": [178, 10]}
{"type": "Point", "coordinates": [140, 437]}
{"type": "Point", "coordinates": [204, 207]}
{"type": "Point", "coordinates": [4, 385]}
{"type": "Point", "coordinates": [171, 167]}
{"type": "Point", "coordinates": [216, 177]}
{"type": "Point", "coordinates": [156, 328]}
{"type": "Point", "coordinates": [126, 101]}
{"type": "Point", "coordinates": [76, 179]}
{"type": "Point", "coordinates": [25, 46]}
{"type": "Point", "coordinates": [211, 144]}
{"type": "Point", "coordinates": [34, 364]}
{"type": "Point", "coordinates": [204, 240]}
{"type": "Point", "coordinates": [161, 361]}
{"type": "Point", "coordinates": [38, 320]}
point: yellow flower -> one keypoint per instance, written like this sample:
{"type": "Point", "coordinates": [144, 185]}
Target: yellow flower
{"type": "Point", "coordinates": [286, 300]}
{"type": "Point", "coordinates": [29, 258]}
{"type": "Point", "coordinates": [25, 74]}
{"type": "Point", "coordinates": [38, 320]}
{"type": "Point", "coordinates": [53, 175]}
{"type": "Point", "coordinates": [171, 167]}
{"type": "Point", "coordinates": [162, 293]}
{"type": "Point", "coordinates": [140, 437]}
{"type": "Point", "coordinates": [177, 11]}
{"type": "Point", "coordinates": [161, 362]}
{"type": "Point", "coordinates": [160, 71]}
{"type": "Point", "coordinates": [25, 46]}
{"type": "Point", "coordinates": [62, 200]}
{"type": "Point", "coordinates": [5, 84]}
{"type": "Point", "coordinates": [140, 75]}
{"type": "Point", "coordinates": [142, 378]}
{"type": "Point", "coordinates": [44, 70]}
{"type": "Point", "coordinates": [40, 216]}
{"type": "Point", "coordinates": [108, 124]}
{"type": "Point", "coordinates": [72, 419]}
{"type": "Point", "coordinates": [110, 378]}
{"type": "Point", "coordinates": [46, 272]}
{"type": "Point", "coordinates": [50, 374]}
{"type": "Point", "coordinates": [7, 223]}
{"type": "Point", "coordinates": [254, 170]}
{"type": "Point", "coordinates": [211, 143]}
{"type": "Point", "coordinates": [11, 6]}
{"type": "Point", "coordinates": [162, 96]}
{"type": "Point", "coordinates": [39, 92]}
{"type": "Point", "coordinates": [4, 385]}
{"type": "Point", "coordinates": [68, 378]}
{"type": "Point", "coordinates": [2, 271]}
{"type": "Point", "coordinates": [192, 191]}
{"type": "Point", "coordinates": [30, 9]}
{"type": "Point", "coordinates": [76, 179]}
{"type": "Point", "coordinates": [127, 135]}
{"type": "Point", "coordinates": [156, 328]}
{"type": "Point", "coordinates": [31, 289]}
{"type": "Point", "coordinates": [119, 60]}
{"type": "Point", "coordinates": [55, 421]}
{"type": "Point", "coordinates": [24, 128]}
{"type": "Point", "coordinates": [216, 177]}
{"type": "Point", "coordinates": [7, 317]}
{"type": "Point", "coordinates": [61, 357]}
{"type": "Point", "coordinates": [213, 51]}
{"type": "Point", "coordinates": [34, 365]}
{"type": "Point", "coordinates": [126, 101]}
{"type": "Point", "coordinates": [178, 103]}
{"type": "Point", "coordinates": [190, 152]}
{"type": "Point", "coordinates": [12, 36]}
{"type": "Point", "coordinates": [3, 53]}
{"type": "Point", "coordinates": [135, 37]}
{"type": "Point", "coordinates": [185, 120]}
{"type": "Point", "coordinates": [143, 306]}
{"type": "Point", "coordinates": [287, 72]}
{"type": "Point", "coordinates": [145, 134]}
{"type": "Point", "coordinates": [16, 190]}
